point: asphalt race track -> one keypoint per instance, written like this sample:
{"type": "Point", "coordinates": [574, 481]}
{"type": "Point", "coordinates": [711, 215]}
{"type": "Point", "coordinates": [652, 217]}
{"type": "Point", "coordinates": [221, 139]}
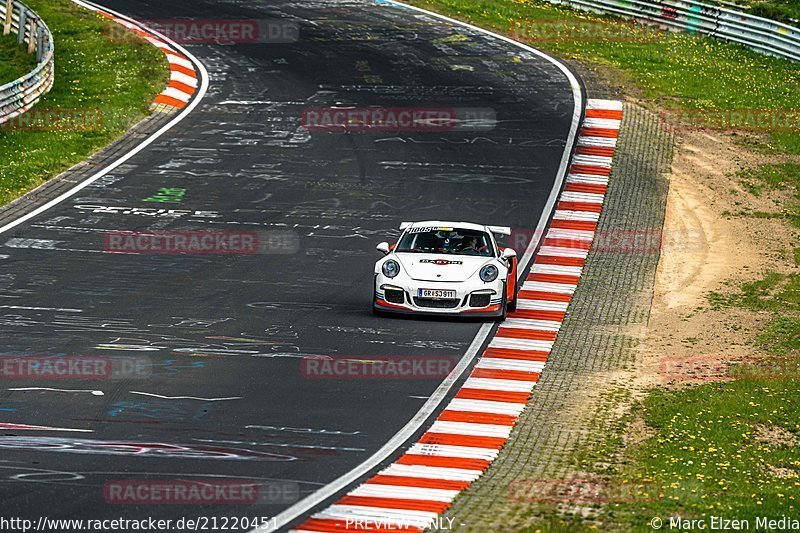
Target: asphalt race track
{"type": "Point", "coordinates": [233, 332]}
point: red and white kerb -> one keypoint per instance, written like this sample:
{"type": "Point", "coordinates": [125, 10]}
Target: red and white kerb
{"type": "Point", "coordinates": [183, 76]}
{"type": "Point", "coordinates": [411, 493]}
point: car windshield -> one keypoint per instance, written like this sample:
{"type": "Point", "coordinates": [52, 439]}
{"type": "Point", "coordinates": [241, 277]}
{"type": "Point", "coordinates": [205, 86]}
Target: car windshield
{"type": "Point", "coordinates": [440, 240]}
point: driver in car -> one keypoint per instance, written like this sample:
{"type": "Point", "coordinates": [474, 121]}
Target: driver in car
{"type": "Point", "coordinates": [471, 246]}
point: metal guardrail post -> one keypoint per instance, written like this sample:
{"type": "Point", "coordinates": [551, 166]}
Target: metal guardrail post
{"type": "Point", "coordinates": [23, 17]}
{"type": "Point", "coordinates": [9, 17]}
{"type": "Point", "coordinates": [32, 36]}
{"type": "Point", "coordinates": [39, 43]}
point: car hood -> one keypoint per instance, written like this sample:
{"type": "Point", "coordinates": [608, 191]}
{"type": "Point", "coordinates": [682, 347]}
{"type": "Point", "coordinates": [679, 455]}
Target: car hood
{"type": "Point", "coordinates": [440, 267]}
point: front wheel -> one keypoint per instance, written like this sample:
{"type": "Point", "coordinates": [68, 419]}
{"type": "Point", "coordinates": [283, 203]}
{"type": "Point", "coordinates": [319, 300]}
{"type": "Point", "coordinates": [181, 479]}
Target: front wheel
{"type": "Point", "coordinates": [512, 305]}
{"type": "Point", "coordinates": [504, 307]}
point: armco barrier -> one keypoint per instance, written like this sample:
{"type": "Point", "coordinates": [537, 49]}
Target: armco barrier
{"type": "Point", "coordinates": [760, 34]}
{"type": "Point", "coordinates": [20, 95]}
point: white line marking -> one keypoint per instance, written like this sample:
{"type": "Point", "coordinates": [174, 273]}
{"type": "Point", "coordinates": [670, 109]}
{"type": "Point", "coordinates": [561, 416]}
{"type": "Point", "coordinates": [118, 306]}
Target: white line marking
{"type": "Point", "coordinates": [607, 105]}
{"type": "Point", "coordinates": [434, 472]}
{"type": "Point", "coordinates": [485, 406]}
{"type": "Point", "coordinates": [586, 140]}
{"type": "Point", "coordinates": [26, 308]}
{"type": "Point", "coordinates": [177, 94]}
{"type": "Point", "coordinates": [446, 450]}
{"type": "Point", "coordinates": [559, 251]}
{"type": "Point", "coordinates": [603, 123]}
{"type": "Point", "coordinates": [175, 60]}
{"type": "Point", "coordinates": [186, 397]}
{"type": "Point", "coordinates": [529, 323]}
{"type": "Point", "coordinates": [540, 305]}
{"type": "Point", "coordinates": [560, 269]}
{"type": "Point", "coordinates": [183, 78]}
{"type": "Point", "coordinates": [577, 177]}
{"type": "Point", "coordinates": [509, 385]}
{"type": "Point", "coordinates": [474, 430]}
{"type": "Point", "coordinates": [28, 427]}
{"type": "Point", "coordinates": [28, 389]}
{"type": "Point", "coordinates": [371, 490]}
{"type": "Point", "coordinates": [497, 363]}
{"type": "Point", "coordinates": [586, 216]}
{"type": "Point", "coordinates": [571, 196]}
{"type": "Point", "coordinates": [400, 517]}
{"type": "Point", "coordinates": [592, 160]}
{"type": "Point", "coordinates": [511, 343]}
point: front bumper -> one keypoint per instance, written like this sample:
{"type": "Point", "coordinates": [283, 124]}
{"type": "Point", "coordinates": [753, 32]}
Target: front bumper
{"type": "Point", "coordinates": [472, 298]}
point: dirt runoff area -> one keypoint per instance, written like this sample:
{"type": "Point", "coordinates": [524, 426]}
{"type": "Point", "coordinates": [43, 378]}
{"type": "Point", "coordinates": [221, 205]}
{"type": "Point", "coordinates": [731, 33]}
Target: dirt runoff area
{"type": "Point", "coordinates": [708, 248]}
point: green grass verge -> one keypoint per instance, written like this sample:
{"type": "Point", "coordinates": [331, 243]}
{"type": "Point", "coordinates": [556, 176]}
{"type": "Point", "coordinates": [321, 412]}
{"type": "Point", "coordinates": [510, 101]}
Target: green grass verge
{"type": "Point", "coordinates": [109, 82]}
{"type": "Point", "coordinates": [787, 11]}
{"type": "Point", "coordinates": [771, 178]}
{"type": "Point", "coordinates": [779, 295]}
{"type": "Point", "coordinates": [724, 449]}
{"type": "Point", "coordinates": [728, 449]}
{"type": "Point", "coordinates": [701, 78]}
{"type": "Point", "coordinates": [15, 61]}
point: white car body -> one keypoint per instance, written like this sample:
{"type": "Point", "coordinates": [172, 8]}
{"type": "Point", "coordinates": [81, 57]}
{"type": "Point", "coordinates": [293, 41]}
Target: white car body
{"type": "Point", "coordinates": [424, 277]}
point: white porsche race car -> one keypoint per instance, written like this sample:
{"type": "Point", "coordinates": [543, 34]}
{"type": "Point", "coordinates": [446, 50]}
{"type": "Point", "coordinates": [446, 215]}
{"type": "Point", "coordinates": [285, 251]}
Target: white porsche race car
{"type": "Point", "coordinates": [450, 268]}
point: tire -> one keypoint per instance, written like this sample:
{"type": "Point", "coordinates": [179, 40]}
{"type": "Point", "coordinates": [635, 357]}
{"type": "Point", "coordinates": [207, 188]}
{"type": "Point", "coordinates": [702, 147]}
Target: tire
{"type": "Point", "coordinates": [505, 308]}
{"type": "Point", "coordinates": [375, 311]}
{"type": "Point", "coordinates": [512, 305]}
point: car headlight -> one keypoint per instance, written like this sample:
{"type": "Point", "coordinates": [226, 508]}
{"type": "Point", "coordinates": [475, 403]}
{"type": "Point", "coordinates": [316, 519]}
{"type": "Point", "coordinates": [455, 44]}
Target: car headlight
{"type": "Point", "coordinates": [489, 273]}
{"type": "Point", "coordinates": [391, 268]}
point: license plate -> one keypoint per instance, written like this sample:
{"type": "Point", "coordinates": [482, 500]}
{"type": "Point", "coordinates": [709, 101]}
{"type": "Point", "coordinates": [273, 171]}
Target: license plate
{"type": "Point", "coordinates": [436, 293]}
